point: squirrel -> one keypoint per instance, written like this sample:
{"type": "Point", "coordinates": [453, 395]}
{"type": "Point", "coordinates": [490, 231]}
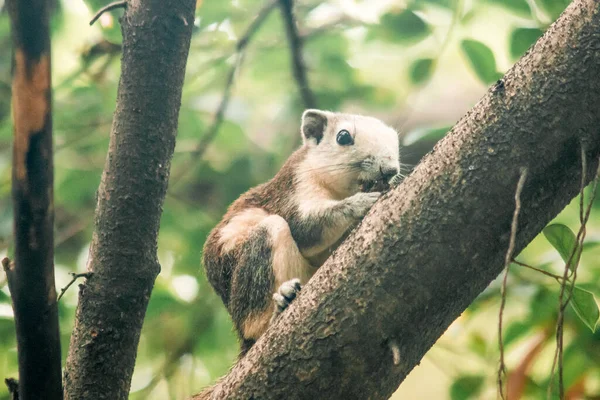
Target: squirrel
{"type": "Point", "coordinates": [275, 236]}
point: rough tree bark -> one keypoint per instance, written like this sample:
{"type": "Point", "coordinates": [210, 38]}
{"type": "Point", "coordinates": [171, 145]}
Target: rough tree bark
{"type": "Point", "coordinates": [428, 248]}
{"type": "Point", "coordinates": [112, 304]}
{"type": "Point", "coordinates": [31, 275]}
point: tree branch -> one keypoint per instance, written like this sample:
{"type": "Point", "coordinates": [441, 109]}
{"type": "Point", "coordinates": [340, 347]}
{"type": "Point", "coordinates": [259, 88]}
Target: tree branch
{"type": "Point", "coordinates": [112, 6]}
{"type": "Point", "coordinates": [112, 305]}
{"type": "Point", "coordinates": [75, 276]}
{"type": "Point", "coordinates": [295, 43]}
{"type": "Point", "coordinates": [429, 247]}
{"type": "Point", "coordinates": [262, 14]}
{"type": "Point", "coordinates": [31, 274]}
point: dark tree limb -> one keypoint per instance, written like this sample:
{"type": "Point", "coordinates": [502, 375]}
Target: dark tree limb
{"type": "Point", "coordinates": [297, 60]}
{"type": "Point", "coordinates": [112, 305]}
{"type": "Point", "coordinates": [429, 247]}
{"type": "Point", "coordinates": [31, 274]}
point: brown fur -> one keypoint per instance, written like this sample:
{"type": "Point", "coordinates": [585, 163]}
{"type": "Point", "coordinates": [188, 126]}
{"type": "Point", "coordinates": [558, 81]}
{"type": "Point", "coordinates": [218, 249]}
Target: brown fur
{"type": "Point", "coordinates": [273, 197]}
{"type": "Point", "coordinates": [258, 207]}
{"type": "Point", "coordinates": [287, 227]}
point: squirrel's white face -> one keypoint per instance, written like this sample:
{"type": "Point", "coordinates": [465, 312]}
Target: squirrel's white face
{"type": "Point", "coordinates": [346, 150]}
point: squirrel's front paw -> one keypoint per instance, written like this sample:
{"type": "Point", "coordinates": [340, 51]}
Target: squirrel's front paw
{"type": "Point", "coordinates": [396, 180]}
{"type": "Point", "coordinates": [286, 293]}
{"type": "Point", "coordinates": [360, 203]}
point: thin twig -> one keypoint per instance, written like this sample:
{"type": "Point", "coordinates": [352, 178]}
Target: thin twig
{"type": "Point", "coordinates": [75, 276]}
{"type": "Point", "coordinates": [295, 43]}
{"type": "Point", "coordinates": [507, 259]}
{"type": "Point", "coordinates": [213, 129]}
{"type": "Point", "coordinates": [584, 217]}
{"type": "Point", "coordinates": [108, 7]}
{"type": "Point", "coordinates": [262, 14]}
{"type": "Point", "coordinates": [571, 268]}
{"type": "Point", "coordinates": [550, 274]}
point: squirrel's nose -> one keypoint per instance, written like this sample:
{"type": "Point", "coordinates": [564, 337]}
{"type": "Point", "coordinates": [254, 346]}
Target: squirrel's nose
{"type": "Point", "coordinates": [387, 172]}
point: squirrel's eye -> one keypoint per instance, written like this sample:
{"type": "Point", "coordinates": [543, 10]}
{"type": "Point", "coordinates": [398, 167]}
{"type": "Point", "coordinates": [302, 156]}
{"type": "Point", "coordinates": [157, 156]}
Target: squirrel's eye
{"type": "Point", "coordinates": [344, 138]}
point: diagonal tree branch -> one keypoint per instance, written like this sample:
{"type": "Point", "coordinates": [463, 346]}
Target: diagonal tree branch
{"type": "Point", "coordinates": [295, 44]}
{"type": "Point", "coordinates": [429, 247]}
{"type": "Point", "coordinates": [123, 260]}
{"type": "Point", "coordinates": [31, 275]}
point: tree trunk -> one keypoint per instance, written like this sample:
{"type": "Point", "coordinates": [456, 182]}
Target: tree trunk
{"type": "Point", "coordinates": [31, 274]}
{"type": "Point", "coordinates": [428, 248]}
{"type": "Point", "coordinates": [123, 260]}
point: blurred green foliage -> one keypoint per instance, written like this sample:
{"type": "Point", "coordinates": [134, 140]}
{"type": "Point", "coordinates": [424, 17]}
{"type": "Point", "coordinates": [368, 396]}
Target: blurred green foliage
{"type": "Point", "coordinates": [418, 64]}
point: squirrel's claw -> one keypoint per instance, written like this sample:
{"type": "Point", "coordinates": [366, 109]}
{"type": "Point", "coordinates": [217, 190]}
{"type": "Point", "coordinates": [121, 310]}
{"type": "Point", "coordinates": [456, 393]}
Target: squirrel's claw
{"type": "Point", "coordinates": [286, 293]}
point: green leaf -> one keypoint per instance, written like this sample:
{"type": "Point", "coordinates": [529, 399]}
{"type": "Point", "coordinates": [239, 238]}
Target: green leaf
{"type": "Point", "coordinates": [481, 59]}
{"type": "Point", "coordinates": [590, 245]}
{"type": "Point", "coordinates": [468, 16]}
{"type": "Point", "coordinates": [577, 362]}
{"type": "Point", "coordinates": [519, 7]}
{"type": "Point", "coordinates": [586, 308]}
{"type": "Point", "coordinates": [539, 311]}
{"type": "Point", "coordinates": [405, 26]}
{"type": "Point", "coordinates": [466, 387]}
{"type": "Point", "coordinates": [593, 288]}
{"type": "Point", "coordinates": [420, 70]}
{"type": "Point", "coordinates": [515, 331]}
{"type": "Point", "coordinates": [521, 40]}
{"type": "Point", "coordinates": [478, 345]}
{"type": "Point", "coordinates": [563, 240]}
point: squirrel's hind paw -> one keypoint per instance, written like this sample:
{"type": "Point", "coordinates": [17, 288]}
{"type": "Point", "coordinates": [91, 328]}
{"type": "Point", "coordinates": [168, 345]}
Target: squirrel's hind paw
{"type": "Point", "coordinates": [286, 293]}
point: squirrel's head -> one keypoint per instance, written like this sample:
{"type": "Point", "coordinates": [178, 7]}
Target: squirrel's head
{"type": "Point", "coordinates": [347, 151]}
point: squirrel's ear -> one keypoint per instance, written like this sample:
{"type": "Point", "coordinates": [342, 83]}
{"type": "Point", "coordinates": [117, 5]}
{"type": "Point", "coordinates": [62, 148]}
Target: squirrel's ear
{"type": "Point", "coordinates": [313, 126]}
